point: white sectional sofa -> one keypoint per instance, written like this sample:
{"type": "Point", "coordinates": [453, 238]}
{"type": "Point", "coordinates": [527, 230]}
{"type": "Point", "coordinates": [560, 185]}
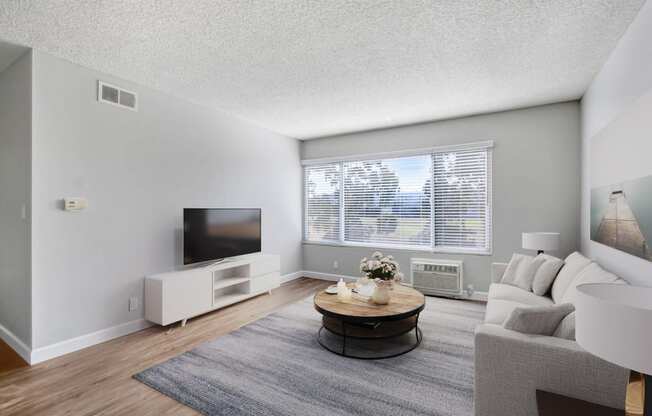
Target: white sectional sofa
{"type": "Point", "coordinates": [510, 366]}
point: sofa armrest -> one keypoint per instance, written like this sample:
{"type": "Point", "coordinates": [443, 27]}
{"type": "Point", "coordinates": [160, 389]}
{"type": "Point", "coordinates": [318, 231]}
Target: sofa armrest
{"type": "Point", "coordinates": [497, 271]}
{"type": "Point", "coordinates": [511, 366]}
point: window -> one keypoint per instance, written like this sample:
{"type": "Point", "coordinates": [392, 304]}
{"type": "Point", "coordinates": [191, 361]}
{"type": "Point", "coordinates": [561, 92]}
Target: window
{"type": "Point", "coordinates": [388, 201]}
{"type": "Point", "coordinates": [322, 204]}
{"type": "Point", "coordinates": [438, 200]}
{"type": "Point", "coordinates": [461, 200]}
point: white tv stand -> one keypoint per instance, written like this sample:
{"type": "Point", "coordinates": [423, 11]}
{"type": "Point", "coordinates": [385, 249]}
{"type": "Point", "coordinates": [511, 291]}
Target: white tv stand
{"type": "Point", "coordinates": [180, 295]}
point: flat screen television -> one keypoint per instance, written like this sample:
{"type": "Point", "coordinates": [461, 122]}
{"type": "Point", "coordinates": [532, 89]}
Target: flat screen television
{"type": "Point", "coordinates": [217, 233]}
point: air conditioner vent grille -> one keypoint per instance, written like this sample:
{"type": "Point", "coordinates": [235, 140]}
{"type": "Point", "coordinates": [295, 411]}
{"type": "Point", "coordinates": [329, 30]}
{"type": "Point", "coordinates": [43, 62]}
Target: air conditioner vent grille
{"type": "Point", "coordinates": [110, 94]}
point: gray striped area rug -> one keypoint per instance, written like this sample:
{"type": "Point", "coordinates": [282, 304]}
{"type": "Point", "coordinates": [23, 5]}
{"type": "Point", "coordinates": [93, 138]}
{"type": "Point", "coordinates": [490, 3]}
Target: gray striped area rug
{"type": "Point", "coordinates": [275, 366]}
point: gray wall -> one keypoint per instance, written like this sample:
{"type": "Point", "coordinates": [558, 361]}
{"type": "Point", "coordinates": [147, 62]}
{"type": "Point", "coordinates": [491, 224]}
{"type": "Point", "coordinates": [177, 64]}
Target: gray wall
{"type": "Point", "coordinates": [625, 77]}
{"type": "Point", "coordinates": [138, 170]}
{"type": "Point", "coordinates": [15, 142]}
{"type": "Point", "coordinates": [536, 180]}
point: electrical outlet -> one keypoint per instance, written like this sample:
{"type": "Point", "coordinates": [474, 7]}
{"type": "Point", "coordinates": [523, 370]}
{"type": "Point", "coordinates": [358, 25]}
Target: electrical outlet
{"type": "Point", "coordinates": [336, 265]}
{"type": "Point", "coordinates": [470, 289]}
{"type": "Point", "coordinates": [133, 303]}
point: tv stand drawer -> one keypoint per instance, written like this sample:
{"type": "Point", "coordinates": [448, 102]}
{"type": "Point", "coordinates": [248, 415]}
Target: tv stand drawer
{"type": "Point", "coordinates": [265, 282]}
{"type": "Point", "coordinates": [265, 265]}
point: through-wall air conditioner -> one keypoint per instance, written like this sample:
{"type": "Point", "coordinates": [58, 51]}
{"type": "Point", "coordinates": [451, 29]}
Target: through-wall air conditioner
{"type": "Point", "coordinates": [437, 277]}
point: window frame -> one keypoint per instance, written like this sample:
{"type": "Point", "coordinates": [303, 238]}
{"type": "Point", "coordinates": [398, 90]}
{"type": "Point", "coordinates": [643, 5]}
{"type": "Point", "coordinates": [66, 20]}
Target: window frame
{"type": "Point", "coordinates": [432, 248]}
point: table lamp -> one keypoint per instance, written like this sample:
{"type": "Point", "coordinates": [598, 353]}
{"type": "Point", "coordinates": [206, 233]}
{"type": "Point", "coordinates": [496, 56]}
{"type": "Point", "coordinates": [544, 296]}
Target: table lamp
{"type": "Point", "coordinates": [614, 322]}
{"type": "Point", "coordinates": [541, 241]}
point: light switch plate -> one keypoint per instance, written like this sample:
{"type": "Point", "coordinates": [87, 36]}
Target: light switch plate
{"type": "Point", "coordinates": [75, 203]}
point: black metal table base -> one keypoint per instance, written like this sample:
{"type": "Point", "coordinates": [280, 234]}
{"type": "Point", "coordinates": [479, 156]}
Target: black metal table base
{"type": "Point", "coordinates": [344, 336]}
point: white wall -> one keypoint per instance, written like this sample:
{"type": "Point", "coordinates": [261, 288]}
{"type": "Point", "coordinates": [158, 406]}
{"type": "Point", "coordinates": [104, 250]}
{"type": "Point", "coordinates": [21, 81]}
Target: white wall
{"type": "Point", "coordinates": [536, 185]}
{"type": "Point", "coordinates": [138, 170]}
{"type": "Point", "coordinates": [625, 77]}
{"type": "Point", "coordinates": [15, 142]}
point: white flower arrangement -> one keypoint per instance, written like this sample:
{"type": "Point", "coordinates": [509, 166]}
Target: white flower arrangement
{"type": "Point", "coordinates": [381, 267]}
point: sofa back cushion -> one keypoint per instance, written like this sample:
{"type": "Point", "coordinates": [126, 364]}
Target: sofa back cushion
{"type": "Point", "coordinates": [592, 273]}
{"type": "Point", "coordinates": [545, 273]}
{"type": "Point", "coordinates": [573, 265]}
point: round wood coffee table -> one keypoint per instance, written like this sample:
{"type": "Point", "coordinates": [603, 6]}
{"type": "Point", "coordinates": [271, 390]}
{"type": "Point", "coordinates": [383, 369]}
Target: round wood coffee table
{"type": "Point", "coordinates": [371, 327]}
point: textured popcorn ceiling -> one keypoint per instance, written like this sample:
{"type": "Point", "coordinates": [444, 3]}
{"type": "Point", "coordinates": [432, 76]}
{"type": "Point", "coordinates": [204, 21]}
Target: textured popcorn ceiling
{"type": "Point", "coordinates": [313, 68]}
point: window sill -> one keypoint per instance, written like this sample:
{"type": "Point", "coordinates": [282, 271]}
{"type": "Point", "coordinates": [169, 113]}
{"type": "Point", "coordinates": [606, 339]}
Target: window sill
{"type": "Point", "coordinates": [442, 250]}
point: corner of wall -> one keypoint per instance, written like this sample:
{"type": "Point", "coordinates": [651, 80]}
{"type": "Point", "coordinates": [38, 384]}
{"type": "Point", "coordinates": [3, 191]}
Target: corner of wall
{"type": "Point", "coordinates": [624, 78]}
{"type": "Point", "coordinates": [15, 216]}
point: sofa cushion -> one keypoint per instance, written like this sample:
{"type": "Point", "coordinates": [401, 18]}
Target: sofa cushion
{"type": "Point", "coordinates": [566, 328]}
{"type": "Point", "coordinates": [592, 273]}
{"type": "Point", "coordinates": [503, 298]}
{"type": "Point", "coordinates": [513, 293]}
{"type": "Point", "coordinates": [499, 309]}
{"type": "Point", "coordinates": [538, 320]}
{"type": "Point", "coordinates": [518, 266]}
{"type": "Point", "coordinates": [573, 265]}
{"type": "Point", "coordinates": [545, 273]}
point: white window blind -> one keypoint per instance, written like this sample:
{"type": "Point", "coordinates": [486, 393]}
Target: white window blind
{"type": "Point", "coordinates": [462, 200]}
{"type": "Point", "coordinates": [322, 202]}
{"type": "Point", "coordinates": [439, 199]}
{"type": "Point", "coordinates": [388, 201]}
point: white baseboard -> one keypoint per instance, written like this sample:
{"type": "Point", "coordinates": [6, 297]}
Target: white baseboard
{"type": "Point", "coordinates": [316, 275]}
{"type": "Point", "coordinates": [481, 296]}
{"type": "Point", "coordinates": [15, 343]}
{"type": "Point", "coordinates": [328, 276]}
{"type": "Point", "coordinates": [74, 344]}
{"type": "Point", "coordinates": [291, 276]}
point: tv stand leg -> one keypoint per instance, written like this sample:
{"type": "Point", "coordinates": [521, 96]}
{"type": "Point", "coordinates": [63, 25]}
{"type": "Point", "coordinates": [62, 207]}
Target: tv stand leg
{"type": "Point", "coordinates": [184, 322]}
{"type": "Point", "coordinates": [269, 292]}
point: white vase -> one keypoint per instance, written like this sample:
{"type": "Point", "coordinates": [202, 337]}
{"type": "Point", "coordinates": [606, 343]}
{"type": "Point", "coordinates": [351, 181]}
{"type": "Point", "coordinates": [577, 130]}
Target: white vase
{"type": "Point", "coordinates": [381, 293]}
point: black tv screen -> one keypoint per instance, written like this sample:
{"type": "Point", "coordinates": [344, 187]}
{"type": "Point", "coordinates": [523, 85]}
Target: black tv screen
{"type": "Point", "coordinates": [217, 233]}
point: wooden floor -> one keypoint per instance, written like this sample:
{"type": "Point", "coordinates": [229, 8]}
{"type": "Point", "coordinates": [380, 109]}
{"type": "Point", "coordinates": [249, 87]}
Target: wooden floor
{"type": "Point", "coordinates": [9, 360]}
{"type": "Point", "coordinates": [97, 380]}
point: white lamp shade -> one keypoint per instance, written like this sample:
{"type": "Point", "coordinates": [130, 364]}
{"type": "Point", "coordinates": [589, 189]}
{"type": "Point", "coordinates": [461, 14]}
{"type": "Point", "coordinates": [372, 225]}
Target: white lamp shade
{"type": "Point", "coordinates": [614, 322]}
{"type": "Point", "coordinates": [541, 241]}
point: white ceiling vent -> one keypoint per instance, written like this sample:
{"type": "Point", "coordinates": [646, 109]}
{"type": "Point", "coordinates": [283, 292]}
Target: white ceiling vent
{"type": "Point", "coordinates": [110, 94]}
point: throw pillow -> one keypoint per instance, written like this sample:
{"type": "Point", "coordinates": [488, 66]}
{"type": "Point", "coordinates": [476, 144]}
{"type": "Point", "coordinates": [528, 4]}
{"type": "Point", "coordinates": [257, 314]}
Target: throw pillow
{"type": "Point", "coordinates": [518, 271]}
{"type": "Point", "coordinates": [566, 328]}
{"type": "Point", "coordinates": [545, 273]}
{"type": "Point", "coordinates": [539, 320]}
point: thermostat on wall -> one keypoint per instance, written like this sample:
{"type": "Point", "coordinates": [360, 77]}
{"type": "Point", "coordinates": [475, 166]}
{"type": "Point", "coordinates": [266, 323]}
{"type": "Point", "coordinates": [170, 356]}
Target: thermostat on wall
{"type": "Point", "coordinates": [74, 204]}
